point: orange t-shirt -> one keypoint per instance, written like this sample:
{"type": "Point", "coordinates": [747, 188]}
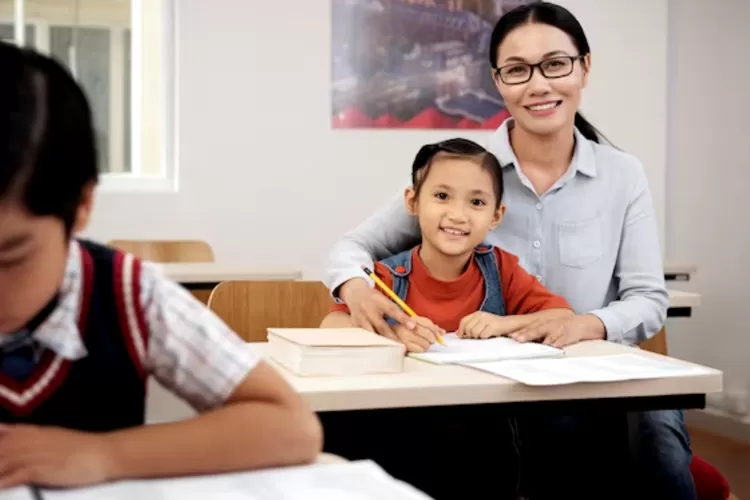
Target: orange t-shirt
{"type": "Point", "coordinates": [447, 302]}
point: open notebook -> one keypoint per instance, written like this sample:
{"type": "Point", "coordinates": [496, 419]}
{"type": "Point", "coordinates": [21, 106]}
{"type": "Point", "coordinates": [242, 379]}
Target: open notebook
{"type": "Point", "coordinates": [363, 480]}
{"type": "Point", "coordinates": [573, 370]}
{"type": "Point", "coordinates": [20, 493]}
{"type": "Point", "coordinates": [457, 350]}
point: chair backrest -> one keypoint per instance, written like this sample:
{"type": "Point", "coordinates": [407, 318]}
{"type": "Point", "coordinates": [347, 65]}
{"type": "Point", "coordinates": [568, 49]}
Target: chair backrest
{"type": "Point", "coordinates": [251, 307]}
{"type": "Point", "coordinates": [657, 343]}
{"type": "Point", "coordinates": [166, 250]}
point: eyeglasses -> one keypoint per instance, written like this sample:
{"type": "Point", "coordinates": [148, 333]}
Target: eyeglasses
{"type": "Point", "coordinates": [554, 67]}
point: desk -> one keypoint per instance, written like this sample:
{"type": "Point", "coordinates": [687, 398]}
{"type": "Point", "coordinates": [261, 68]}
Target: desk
{"type": "Point", "coordinates": [201, 277]}
{"type": "Point", "coordinates": [415, 422]}
{"type": "Point", "coordinates": [681, 303]}
{"type": "Point", "coordinates": [677, 271]}
{"type": "Point", "coordinates": [423, 384]}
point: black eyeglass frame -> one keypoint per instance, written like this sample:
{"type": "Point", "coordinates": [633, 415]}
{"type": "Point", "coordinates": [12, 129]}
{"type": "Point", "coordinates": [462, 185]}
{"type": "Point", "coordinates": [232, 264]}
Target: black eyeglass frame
{"type": "Point", "coordinates": [532, 67]}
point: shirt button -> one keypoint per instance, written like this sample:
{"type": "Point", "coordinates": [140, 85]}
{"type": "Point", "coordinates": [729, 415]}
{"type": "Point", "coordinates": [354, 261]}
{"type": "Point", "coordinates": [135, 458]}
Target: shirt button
{"type": "Point", "coordinates": [538, 206]}
{"type": "Point", "coordinates": [537, 244]}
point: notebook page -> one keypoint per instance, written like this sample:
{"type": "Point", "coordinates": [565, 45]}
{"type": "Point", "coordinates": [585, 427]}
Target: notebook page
{"type": "Point", "coordinates": [19, 493]}
{"type": "Point", "coordinates": [611, 368]}
{"type": "Point", "coordinates": [350, 481]}
{"type": "Point", "coordinates": [458, 350]}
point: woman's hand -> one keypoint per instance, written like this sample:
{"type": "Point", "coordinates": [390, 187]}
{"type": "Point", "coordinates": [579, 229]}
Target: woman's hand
{"type": "Point", "coordinates": [561, 332]}
{"type": "Point", "coordinates": [368, 309]}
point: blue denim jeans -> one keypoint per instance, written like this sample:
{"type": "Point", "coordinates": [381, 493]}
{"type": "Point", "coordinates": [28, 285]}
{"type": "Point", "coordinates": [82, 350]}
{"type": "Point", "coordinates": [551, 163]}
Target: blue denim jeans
{"type": "Point", "coordinates": [661, 454]}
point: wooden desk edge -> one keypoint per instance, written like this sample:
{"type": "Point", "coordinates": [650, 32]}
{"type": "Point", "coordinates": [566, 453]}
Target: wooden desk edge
{"type": "Point", "coordinates": [485, 388]}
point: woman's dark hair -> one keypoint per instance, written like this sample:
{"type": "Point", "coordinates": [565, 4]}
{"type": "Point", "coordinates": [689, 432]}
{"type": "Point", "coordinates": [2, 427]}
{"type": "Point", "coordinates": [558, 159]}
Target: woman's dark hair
{"type": "Point", "coordinates": [47, 141]}
{"type": "Point", "coordinates": [457, 148]}
{"type": "Point", "coordinates": [552, 15]}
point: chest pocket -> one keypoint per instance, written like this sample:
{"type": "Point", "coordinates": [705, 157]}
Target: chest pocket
{"type": "Point", "coordinates": [580, 243]}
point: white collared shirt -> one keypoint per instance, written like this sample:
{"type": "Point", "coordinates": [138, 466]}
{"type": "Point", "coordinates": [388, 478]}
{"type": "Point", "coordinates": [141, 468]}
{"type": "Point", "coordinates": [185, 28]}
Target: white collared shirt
{"type": "Point", "coordinates": [191, 351]}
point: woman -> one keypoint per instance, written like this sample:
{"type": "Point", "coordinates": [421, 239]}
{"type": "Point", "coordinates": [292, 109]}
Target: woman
{"type": "Point", "coordinates": [579, 217]}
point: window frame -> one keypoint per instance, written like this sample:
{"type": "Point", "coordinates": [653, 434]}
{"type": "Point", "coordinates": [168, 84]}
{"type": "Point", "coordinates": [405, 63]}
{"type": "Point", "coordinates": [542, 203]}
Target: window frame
{"type": "Point", "coordinates": [134, 180]}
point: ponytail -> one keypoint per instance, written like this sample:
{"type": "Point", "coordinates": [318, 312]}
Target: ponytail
{"type": "Point", "coordinates": [589, 131]}
{"type": "Point", "coordinates": [586, 129]}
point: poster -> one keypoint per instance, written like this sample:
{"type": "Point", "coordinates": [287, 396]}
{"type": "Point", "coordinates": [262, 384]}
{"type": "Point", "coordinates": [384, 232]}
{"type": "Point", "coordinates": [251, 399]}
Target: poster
{"type": "Point", "coordinates": [415, 64]}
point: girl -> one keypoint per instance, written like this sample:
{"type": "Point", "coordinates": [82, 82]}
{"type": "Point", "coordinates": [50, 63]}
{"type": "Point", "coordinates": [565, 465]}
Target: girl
{"type": "Point", "coordinates": [453, 279]}
{"type": "Point", "coordinates": [580, 218]}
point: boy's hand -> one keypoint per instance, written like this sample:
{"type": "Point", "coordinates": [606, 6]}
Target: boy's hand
{"type": "Point", "coordinates": [483, 325]}
{"type": "Point", "coordinates": [52, 456]}
{"type": "Point", "coordinates": [420, 338]}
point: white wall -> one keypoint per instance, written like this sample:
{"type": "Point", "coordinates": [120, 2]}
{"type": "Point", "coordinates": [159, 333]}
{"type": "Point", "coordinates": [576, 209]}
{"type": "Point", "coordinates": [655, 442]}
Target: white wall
{"type": "Point", "coordinates": [265, 179]}
{"type": "Point", "coordinates": [709, 175]}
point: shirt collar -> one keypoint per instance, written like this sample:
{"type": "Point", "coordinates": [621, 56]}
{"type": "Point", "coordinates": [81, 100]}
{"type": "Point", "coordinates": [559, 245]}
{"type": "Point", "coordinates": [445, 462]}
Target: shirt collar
{"type": "Point", "coordinates": [583, 154]}
{"type": "Point", "coordinates": [60, 332]}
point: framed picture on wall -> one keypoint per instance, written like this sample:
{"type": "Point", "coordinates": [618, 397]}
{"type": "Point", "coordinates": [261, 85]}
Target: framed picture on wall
{"type": "Point", "coordinates": [416, 64]}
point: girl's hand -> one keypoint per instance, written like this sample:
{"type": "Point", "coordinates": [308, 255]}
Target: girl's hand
{"type": "Point", "coordinates": [420, 338]}
{"type": "Point", "coordinates": [51, 456]}
{"type": "Point", "coordinates": [368, 309]}
{"type": "Point", "coordinates": [483, 325]}
{"type": "Point", "coordinates": [562, 332]}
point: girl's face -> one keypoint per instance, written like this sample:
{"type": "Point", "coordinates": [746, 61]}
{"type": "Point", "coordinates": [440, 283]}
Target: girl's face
{"type": "Point", "coordinates": [541, 105]}
{"type": "Point", "coordinates": [456, 206]}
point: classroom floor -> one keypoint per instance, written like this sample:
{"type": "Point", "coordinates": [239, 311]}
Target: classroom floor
{"type": "Point", "coordinates": [731, 457]}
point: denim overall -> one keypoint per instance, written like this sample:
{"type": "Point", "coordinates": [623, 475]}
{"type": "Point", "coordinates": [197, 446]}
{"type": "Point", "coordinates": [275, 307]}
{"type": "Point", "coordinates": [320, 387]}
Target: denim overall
{"type": "Point", "coordinates": [399, 266]}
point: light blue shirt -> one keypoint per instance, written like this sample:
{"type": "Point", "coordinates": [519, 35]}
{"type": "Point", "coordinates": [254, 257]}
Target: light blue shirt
{"type": "Point", "coordinates": [592, 237]}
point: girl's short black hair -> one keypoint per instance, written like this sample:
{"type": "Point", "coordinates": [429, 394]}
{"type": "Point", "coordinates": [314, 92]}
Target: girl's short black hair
{"type": "Point", "coordinates": [47, 141]}
{"type": "Point", "coordinates": [457, 148]}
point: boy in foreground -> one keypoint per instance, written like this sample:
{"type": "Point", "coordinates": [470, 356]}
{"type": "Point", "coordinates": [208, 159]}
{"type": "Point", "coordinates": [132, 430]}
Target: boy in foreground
{"type": "Point", "coordinates": [82, 326]}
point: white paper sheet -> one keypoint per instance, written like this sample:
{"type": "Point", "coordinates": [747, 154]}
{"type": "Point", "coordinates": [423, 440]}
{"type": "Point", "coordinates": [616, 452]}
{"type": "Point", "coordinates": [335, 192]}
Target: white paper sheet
{"type": "Point", "coordinates": [587, 369]}
{"type": "Point", "coordinates": [20, 493]}
{"type": "Point", "coordinates": [457, 350]}
{"type": "Point", "coordinates": [362, 480]}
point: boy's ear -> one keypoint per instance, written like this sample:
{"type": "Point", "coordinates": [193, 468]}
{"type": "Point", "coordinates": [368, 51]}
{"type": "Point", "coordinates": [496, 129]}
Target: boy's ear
{"type": "Point", "coordinates": [410, 199]}
{"type": "Point", "coordinates": [498, 216]}
{"type": "Point", "coordinates": [83, 213]}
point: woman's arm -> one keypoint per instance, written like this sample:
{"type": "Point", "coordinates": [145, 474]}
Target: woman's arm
{"type": "Point", "coordinates": [641, 309]}
{"type": "Point", "coordinates": [388, 231]}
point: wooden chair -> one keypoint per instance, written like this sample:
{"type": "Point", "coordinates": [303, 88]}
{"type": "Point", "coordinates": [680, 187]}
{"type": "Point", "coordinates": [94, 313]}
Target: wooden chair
{"type": "Point", "coordinates": [251, 307]}
{"type": "Point", "coordinates": [657, 343]}
{"type": "Point", "coordinates": [166, 250]}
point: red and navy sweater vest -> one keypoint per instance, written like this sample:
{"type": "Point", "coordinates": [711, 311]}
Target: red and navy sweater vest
{"type": "Point", "coordinates": [105, 390]}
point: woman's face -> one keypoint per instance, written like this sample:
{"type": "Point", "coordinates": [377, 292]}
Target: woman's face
{"type": "Point", "coordinates": [541, 105]}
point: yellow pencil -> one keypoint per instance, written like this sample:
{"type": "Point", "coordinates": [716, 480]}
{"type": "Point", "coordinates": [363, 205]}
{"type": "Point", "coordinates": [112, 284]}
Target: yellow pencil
{"type": "Point", "coordinates": [395, 298]}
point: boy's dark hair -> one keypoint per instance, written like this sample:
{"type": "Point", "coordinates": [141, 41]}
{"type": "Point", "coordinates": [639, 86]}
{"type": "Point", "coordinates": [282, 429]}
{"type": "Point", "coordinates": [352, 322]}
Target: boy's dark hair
{"type": "Point", "coordinates": [558, 17]}
{"type": "Point", "coordinates": [457, 148]}
{"type": "Point", "coordinates": [47, 139]}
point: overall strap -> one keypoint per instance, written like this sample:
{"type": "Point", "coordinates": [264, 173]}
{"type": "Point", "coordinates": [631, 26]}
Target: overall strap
{"type": "Point", "coordinates": [493, 292]}
{"type": "Point", "coordinates": [399, 266]}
